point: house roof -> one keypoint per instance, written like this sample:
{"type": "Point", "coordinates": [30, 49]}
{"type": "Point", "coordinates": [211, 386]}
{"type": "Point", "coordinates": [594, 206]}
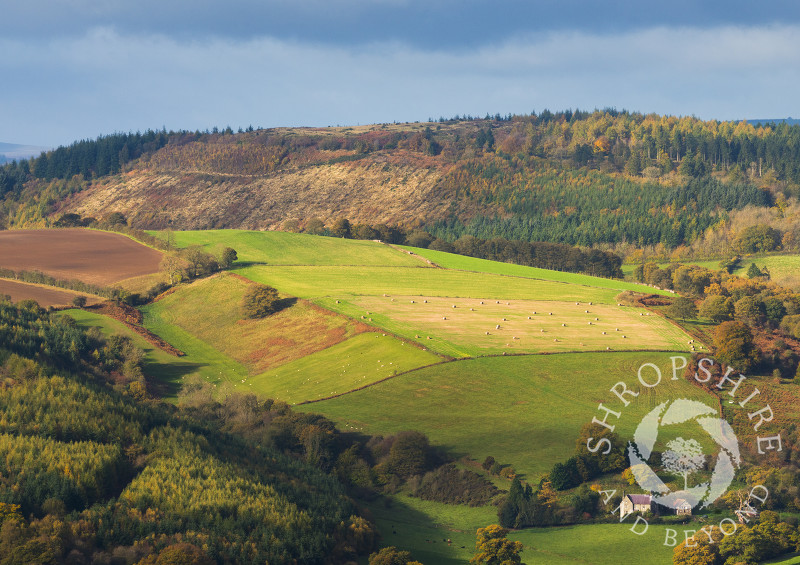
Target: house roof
{"type": "Point", "coordinates": [640, 498]}
{"type": "Point", "coordinates": [680, 502]}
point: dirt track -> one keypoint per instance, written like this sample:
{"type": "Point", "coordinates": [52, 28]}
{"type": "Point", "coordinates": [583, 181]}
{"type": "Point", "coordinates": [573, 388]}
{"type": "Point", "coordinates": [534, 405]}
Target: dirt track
{"type": "Point", "coordinates": [91, 256]}
{"type": "Point", "coordinates": [43, 295]}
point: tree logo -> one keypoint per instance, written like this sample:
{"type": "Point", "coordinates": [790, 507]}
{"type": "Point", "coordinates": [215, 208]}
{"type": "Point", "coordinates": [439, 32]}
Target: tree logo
{"type": "Point", "coordinates": [683, 456]}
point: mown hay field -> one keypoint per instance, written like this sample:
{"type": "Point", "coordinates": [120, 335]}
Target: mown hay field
{"type": "Point", "coordinates": [469, 327]}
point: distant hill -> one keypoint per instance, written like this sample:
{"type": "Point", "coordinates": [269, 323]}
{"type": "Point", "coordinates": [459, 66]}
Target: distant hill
{"type": "Point", "coordinates": [14, 152]}
{"type": "Point", "coordinates": [580, 178]}
{"type": "Point", "coordinates": [789, 121]}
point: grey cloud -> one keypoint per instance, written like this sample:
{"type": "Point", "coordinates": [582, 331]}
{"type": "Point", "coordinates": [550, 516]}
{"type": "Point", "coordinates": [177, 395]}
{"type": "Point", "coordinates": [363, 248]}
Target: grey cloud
{"type": "Point", "coordinates": [106, 80]}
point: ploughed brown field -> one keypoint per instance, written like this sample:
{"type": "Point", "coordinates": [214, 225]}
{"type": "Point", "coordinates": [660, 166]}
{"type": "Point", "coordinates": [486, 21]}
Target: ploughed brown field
{"type": "Point", "coordinates": [45, 296]}
{"type": "Point", "coordinates": [91, 256]}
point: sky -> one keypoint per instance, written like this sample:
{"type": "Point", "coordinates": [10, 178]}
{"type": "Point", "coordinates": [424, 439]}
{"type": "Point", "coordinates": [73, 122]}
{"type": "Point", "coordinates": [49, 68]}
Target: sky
{"type": "Point", "coordinates": [76, 69]}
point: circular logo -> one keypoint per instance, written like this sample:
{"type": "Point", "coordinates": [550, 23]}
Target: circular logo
{"type": "Point", "coordinates": [681, 456]}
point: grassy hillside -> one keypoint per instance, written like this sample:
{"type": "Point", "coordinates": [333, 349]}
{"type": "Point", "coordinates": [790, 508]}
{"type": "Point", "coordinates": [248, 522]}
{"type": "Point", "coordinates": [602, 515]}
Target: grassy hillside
{"type": "Point", "coordinates": [211, 310]}
{"type": "Point", "coordinates": [315, 282]}
{"type": "Point", "coordinates": [159, 365]}
{"type": "Point", "coordinates": [526, 411]}
{"type": "Point", "coordinates": [463, 263]}
{"type": "Point", "coordinates": [469, 327]}
{"type": "Point", "coordinates": [353, 363]}
{"type": "Point", "coordinates": [423, 527]}
{"type": "Point", "coordinates": [283, 248]}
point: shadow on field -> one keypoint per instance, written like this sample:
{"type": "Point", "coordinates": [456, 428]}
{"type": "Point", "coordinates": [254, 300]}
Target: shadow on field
{"type": "Point", "coordinates": [284, 303]}
{"type": "Point", "coordinates": [409, 529]}
{"type": "Point", "coordinates": [166, 378]}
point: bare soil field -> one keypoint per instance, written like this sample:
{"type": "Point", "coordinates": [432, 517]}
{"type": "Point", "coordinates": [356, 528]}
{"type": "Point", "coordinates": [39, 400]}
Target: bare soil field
{"type": "Point", "coordinates": [45, 296]}
{"type": "Point", "coordinates": [91, 256]}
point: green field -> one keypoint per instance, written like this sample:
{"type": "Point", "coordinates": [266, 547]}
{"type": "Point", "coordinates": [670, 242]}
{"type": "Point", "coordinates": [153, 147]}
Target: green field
{"type": "Point", "coordinates": [461, 327]}
{"type": "Point", "coordinates": [284, 248]}
{"type": "Point", "coordinates": [354, 363]}
{"type": "Point", "coordinates": [463, 263]}
{"type": "Point", "coordinates": [211, 310]}
{"type": "Point", "coordinates": [158, 364]}
{"type": "Point", "coordinates": [316, 282]}
{"type": "Point", "coordinates": [525, 410]}
{"type": "Point", "coordinates": [783, 269]}
{"type": "Point", "coordinates": [422, 527]}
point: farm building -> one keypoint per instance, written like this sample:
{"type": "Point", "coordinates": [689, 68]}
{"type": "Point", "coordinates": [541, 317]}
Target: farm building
{"type": "Point", "coordinates": [635, 503]}
{"type": "Point", "coordinates": [682, 507]}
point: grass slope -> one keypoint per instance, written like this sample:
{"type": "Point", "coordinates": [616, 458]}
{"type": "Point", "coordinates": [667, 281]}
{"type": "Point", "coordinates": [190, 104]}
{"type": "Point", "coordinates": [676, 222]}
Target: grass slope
{"type": "Point", "coordinates": [159, 365]}
{"type": "Point", "coordinates": [283, 248]}
{"type": "Point", "coordinates": [315, 282]}
{"type": "Point", "coordinates": [470, 329]}
{"type": "Point", "coordinates": [524, 410]}
{"type": "Point", "coordinates": [462, 263]}
{"type": "Point", "coordinates": [210, 310]}
{"type": "Point", "coordinates": [422, 527]}
{"type": "Point", "coordinates": [353, 363]}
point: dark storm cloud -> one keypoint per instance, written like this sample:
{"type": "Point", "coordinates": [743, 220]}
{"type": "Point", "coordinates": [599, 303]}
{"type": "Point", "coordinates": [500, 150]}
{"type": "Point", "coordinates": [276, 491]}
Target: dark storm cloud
{"type": "Point", "coordinates": [74, 68]}
{"type": "Point", "coordinates": [423, 23]}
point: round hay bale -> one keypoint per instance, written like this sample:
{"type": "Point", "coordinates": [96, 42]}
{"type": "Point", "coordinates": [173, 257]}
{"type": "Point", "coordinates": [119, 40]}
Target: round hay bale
{"type": "Point", "coordinates": [563, 325]}
{"type": "Point", "coordinates": [497, 327]}
{"type": "Point", "coordinates": [623, 337]}
{"type": "Point", "coordinates": [604, 333]}
{"type": "Point", "coordinates": [444, 317]}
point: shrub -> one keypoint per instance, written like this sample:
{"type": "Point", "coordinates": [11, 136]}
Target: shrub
{"type": "Point", "coordinates": [260, 301]}
{"type": "Point", "coordinates": [453, 486]}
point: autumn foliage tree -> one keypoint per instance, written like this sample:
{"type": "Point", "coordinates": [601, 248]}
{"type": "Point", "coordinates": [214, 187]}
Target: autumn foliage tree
{"type": "Point", "coordinates": [734, 345]}
{"type": "Point", "coordinates": [493, 547]}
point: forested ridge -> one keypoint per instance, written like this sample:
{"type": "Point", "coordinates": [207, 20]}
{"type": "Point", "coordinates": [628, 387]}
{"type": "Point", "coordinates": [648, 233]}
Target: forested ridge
{"type": "Point", "coordinates": [581, 178]}
{"type": "Point", "coordinates": [93, 472]}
